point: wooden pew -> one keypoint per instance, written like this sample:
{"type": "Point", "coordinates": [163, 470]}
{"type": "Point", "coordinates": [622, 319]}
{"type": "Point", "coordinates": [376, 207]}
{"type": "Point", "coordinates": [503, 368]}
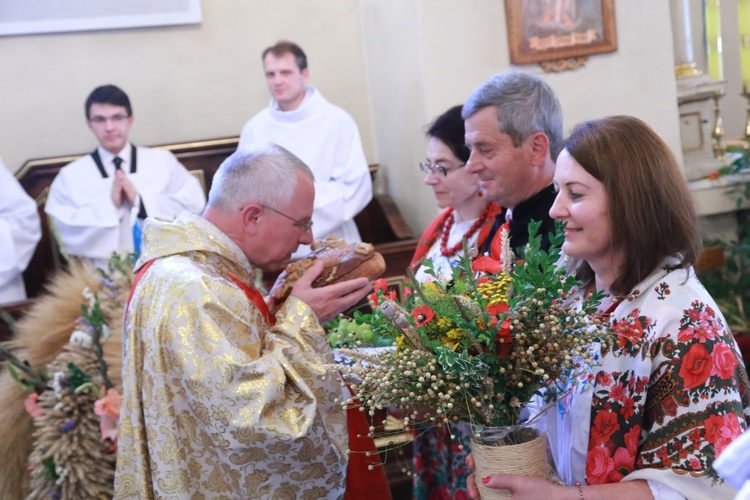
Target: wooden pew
{"type": "Point", "coordinates": [379, 223]}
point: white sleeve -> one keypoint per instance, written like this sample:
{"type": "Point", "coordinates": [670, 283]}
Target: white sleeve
{"type": "Point", "coordinates": [83, 215]}
{"type": "Point", "coordinates": [661, 491]}
{"type": "Point", "coordinates": [246, 136]}
{"type": "Point", "coordinates": [348, 190]}
{"type": "Point", "coordinates": [181, 191]}
{"type": "Point", "coordinates": [20, 228]}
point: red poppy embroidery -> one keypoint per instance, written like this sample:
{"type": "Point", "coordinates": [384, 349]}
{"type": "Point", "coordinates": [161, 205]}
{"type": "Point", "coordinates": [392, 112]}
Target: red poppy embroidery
{"type": "Point", "coordinates": [599, 465]}
{"type": "Point", "coordinates": [696, 366]}
{"type": "Point", "coordinates": [605, 424]}
{"type": "Point", "coordinates": [724, 361]}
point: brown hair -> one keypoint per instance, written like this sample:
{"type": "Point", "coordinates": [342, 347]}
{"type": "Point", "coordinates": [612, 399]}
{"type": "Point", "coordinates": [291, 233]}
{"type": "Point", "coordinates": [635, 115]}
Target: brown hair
{"type": "Point", "coordinates": [650, 209]}
{"type": "Point", "coordinates": [283, 47]}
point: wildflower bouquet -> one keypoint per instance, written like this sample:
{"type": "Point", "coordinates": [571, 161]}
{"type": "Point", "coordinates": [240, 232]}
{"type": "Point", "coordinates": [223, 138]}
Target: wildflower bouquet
{"type": "Point", "coordinates": [480, 346]}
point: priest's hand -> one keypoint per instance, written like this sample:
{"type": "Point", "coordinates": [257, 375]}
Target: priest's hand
{"type": "Point", "coordinates": [328, 301]}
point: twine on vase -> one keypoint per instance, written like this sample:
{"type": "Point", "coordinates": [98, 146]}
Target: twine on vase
{"type": "Point", "coordinates": [526, 459]}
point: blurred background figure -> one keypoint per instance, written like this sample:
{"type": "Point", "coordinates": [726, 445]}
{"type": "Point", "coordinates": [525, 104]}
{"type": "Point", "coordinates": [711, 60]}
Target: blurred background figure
{"type": "Point", "coordinates": [321, 134]}
{"type": "Point", "coordinates": [20, 231]}
{"type": "Point", "coordinates": [98, 203]}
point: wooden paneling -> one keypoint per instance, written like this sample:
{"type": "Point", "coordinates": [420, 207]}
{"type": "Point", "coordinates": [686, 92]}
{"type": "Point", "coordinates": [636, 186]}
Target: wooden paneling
{"type": "Point", "coordinates": [380, 222]}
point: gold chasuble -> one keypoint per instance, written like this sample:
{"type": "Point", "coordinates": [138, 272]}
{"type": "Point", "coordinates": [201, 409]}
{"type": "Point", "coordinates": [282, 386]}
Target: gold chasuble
{"type": "Point", "coordinates": [216, 404]}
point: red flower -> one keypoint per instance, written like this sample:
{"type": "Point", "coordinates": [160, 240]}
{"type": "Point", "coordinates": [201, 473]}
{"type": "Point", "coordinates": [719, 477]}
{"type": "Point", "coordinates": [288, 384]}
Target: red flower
{"type": "Point", "coordinates": [713, 427]}
{"type": "Point", "coordinates": [624, 462]}
{"type": "Point", "coordinates": [724, 361]}
{"type": "Point", "coordinates": [629, 329]}
{"type": "Point", "coordinates": [669, 406]}
{"type": "Point", "coordinates": [381, 285]}
{"type": "Point", "coordinates": [695, 436]}
{"type": "Point", "coordinates": [486, 264]}
{"type": "Point", "coordinates": [422, 315]}
{"type": "Point", "coordinates": [604, 379]}
{"type": "Point", "coordinates": [632, 437]}
{"type": "Point", "coordinates": [696, 366]}
{"type": "Point", "coordinates": [31, 404]}
{"type": "Point", "coordinates": [599, 465]}
{"type": "Point", "coordinates": [605, 424]}
{"type": "Point", "coordinates": [618, 392]}
{"type": "Point", "coordinates": [496, 310]}
{"type": "Point", "coordinates": [628, 407]}
{"type": "Point", "coordinates": [722, 430]}
{"type": "Point", "coordinates": [713, 175]}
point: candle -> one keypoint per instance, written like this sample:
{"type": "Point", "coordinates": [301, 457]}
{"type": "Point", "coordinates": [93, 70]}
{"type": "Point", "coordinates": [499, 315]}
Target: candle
{"type": "Point", "coordinates": [713, 39]}
{"type": "Point", "coordinates": [681, 35]}
{"type": "Point", "coordinates": [743, 16]}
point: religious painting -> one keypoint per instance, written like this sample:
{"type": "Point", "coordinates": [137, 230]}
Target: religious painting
{"type": "Point", "coordinates": [546, 30]}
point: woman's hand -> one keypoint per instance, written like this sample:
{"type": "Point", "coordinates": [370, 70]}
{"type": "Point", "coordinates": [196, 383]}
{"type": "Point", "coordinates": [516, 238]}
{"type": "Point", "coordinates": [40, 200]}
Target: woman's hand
{"type": "Point", "coordinates": [521, 486]}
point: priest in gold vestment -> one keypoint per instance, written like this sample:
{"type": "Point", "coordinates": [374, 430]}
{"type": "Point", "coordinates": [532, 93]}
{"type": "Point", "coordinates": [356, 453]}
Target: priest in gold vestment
{"type": "Point", "coordinates": [221, 398]}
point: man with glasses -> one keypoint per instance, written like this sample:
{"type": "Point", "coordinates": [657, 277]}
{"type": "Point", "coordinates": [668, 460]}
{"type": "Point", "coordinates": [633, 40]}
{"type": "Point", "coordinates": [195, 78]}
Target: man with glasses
{"type": "Point", "coordinates": [321, 134]}
{"type": "Point", "coordinates": [513, 127]}
{"type": "Point", "coordinates": [222, 397]}
{"type": "Point", "coordinates": [97, 203]}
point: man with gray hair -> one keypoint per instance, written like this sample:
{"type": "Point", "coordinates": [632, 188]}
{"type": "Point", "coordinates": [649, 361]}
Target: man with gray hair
{"type": "Point", "coordinates": [221, 398]}
{"type": "Point", "coordinates": [514, 131]}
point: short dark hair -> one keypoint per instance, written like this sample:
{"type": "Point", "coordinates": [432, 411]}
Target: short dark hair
{"type": "Point", "coordinates": [284, 47]}
{"type": "Point", "coordinates": [449, 129]}
{"type": "Point", "coordinates": [108, 94]}
{"type": "Point", "coordinates": [651, 211]}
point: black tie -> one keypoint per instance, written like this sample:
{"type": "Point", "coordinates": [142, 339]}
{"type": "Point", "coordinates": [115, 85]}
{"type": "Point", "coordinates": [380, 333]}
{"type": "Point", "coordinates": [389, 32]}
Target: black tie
{"type": "Point", "coordinates": [117, 161]}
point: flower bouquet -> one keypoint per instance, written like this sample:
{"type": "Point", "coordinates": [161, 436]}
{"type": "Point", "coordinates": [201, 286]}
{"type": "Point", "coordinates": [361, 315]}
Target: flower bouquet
{"type": "Point", "coordinates": [480, 347]}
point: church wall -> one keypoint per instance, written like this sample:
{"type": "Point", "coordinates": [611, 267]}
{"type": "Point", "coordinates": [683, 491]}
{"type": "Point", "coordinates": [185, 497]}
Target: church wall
{"type": "Point", "coordinates": [185, 82]}
{"type": "Point", "coordinates": [455, 46]}
{"type": "Point", "coordinates": [393, 64]}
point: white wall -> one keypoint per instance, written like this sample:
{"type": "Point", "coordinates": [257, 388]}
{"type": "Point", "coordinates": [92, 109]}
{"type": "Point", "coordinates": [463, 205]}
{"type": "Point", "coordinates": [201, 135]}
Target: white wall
{"type": "Point", "coordinates": [438, 51]}
{"type": "Point", "coordinates": [393, 64]}
{"type": "Point", "coordinates": [185, 82]}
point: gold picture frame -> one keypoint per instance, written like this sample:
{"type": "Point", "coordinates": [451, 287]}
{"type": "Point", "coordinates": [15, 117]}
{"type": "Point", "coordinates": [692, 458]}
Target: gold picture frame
{"type": "Point", "coordinates": [549, 30]}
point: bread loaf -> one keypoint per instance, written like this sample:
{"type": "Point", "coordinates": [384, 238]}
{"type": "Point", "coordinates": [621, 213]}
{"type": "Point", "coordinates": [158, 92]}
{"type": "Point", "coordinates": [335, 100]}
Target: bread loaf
{"type": "Point", "coordinates": [342, 261]}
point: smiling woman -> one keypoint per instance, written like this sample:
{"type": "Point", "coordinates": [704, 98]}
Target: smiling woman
{"type": "Point", "coordinates": [647, 421]}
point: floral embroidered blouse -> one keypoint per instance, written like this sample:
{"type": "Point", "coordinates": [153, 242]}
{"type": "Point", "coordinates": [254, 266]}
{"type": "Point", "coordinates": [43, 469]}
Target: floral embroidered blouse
{"type": "Point", "coordinates": [669, 395]}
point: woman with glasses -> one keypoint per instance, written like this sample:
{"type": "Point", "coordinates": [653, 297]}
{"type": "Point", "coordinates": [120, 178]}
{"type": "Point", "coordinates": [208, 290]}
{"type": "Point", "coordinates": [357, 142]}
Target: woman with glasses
{"type": "Point", "coordinates": [440, 471]}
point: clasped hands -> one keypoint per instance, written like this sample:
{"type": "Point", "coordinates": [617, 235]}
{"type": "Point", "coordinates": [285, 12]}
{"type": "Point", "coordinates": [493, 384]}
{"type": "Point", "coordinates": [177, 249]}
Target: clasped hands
{"type": "Point", "coordinates": [123, 188]}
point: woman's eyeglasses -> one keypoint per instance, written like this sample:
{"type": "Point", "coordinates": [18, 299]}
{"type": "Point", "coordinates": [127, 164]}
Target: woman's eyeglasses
{"type": "Point", "coordinates": [437, 170]}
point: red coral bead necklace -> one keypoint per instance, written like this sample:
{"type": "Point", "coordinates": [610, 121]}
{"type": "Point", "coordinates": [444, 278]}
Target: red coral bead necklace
{"type": "Point", "coordinates": [450, 252]}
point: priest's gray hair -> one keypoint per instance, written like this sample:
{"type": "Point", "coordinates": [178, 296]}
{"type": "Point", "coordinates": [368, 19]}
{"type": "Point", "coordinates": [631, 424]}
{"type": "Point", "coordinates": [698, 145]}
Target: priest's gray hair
{"type": "Point", "coordinates": [525, 104]}
{"type": "Point", "coordinates": [261, 172]}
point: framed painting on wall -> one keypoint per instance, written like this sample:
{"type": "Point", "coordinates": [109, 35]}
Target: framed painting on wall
{"type": "Point", "coordinates": [548, 30]}
{"type": "Point", "coordinates": [29, 17]}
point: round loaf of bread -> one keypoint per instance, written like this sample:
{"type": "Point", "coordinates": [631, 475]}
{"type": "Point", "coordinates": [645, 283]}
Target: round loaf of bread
{"type": "Point", "coordinates": [342, 261]}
